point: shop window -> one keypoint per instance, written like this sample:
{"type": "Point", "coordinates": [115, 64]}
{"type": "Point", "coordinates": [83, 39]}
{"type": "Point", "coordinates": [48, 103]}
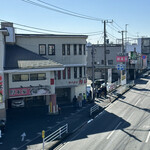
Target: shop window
{"type": "Point", "coordinates": [42, 49]}
{"type": "Point", "coordinates": [51, 49]}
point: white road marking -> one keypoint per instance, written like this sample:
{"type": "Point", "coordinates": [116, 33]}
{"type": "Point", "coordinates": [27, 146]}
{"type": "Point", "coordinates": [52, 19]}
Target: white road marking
{"type": "Point", "coordinates": [90, 121]}
{"type": "Point", "coordinates": [137, 102]}
{"type": "Point", "coordinates": [113, 131]}
{"type": "Point", "coordinates": [148, 136]}
{"type": "Point", "coordinates": [130, 116]}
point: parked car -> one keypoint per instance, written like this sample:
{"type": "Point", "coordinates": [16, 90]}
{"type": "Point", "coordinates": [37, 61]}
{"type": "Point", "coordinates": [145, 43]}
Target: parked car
{"type": "Point", "coordinates": [17, 103]}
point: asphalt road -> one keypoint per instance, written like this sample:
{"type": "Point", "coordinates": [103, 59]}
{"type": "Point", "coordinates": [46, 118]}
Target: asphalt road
{"type": "Point", "coordinates": [124, 125]}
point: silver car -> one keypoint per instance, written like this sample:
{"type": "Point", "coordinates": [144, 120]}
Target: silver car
{"type": "Point", "coordinates": [17, 103]}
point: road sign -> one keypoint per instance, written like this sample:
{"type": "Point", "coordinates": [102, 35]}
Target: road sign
{"type": "Point", "coordinates": [143, 56]}
{"type": "Point", "coordinates": [120, 66]}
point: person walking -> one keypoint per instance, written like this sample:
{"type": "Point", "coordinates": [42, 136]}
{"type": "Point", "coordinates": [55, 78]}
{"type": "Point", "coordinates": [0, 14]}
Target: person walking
{"type": "Point", "coordinates": [75, 101]}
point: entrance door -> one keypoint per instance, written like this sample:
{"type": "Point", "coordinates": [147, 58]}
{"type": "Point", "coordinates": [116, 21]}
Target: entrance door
{"type": "Point", "coordinates": [63, 95]}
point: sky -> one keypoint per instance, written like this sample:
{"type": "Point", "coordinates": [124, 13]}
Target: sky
{"type": "Point", "coordinates": [134, 13]}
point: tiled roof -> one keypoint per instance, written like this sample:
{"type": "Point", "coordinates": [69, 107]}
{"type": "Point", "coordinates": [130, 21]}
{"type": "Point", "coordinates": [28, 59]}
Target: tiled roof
{"type": "Point", "coordinates": [17, 57]}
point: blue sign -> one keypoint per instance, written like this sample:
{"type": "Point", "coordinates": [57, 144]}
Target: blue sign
{"type": "Point", "coordinates": [120, 66]}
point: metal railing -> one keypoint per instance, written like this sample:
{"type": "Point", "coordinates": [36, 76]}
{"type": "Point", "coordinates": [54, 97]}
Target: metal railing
{"type": "Point", "coordinates": [93, 109]}
{"type": "Point", "coordinates": [55, 135]}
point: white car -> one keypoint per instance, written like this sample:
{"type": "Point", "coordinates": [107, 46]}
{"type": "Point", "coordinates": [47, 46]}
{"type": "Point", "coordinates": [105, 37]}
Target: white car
{"type": "Point", "coordinates": [17, 103]}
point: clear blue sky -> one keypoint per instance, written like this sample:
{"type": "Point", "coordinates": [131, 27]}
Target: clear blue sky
{"type": "Point", "coordinates": [132, 12]}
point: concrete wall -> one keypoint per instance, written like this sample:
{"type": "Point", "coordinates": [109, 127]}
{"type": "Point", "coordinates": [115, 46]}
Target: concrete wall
{"type": "Point", "coordinates": [32, 43]}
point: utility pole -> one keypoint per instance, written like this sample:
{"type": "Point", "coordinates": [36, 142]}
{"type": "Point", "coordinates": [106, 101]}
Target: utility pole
{"type": "Point", "coordinates": [93, 73]}
{"type": "Point", "coordinates": [105, 76]}
{"type": "Point", "coordinates": [123, 51]}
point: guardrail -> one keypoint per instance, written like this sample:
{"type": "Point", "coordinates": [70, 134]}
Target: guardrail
{"type": "Point", "coordinates": [93, 109]}
{"type": "Point", "coordinates": [55, 135]}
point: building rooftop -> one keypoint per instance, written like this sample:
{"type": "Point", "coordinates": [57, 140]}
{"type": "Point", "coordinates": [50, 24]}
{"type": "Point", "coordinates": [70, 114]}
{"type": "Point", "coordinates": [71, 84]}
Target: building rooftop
{"type": "Point", "coordinates": [50, 35]}
{"type": "Point", "coordinates": [17, 57]}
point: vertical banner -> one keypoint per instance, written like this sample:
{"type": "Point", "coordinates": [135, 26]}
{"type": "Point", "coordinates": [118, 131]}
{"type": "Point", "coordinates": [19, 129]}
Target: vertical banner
{"type": "Point", "coordinates": [109, 75]}
{"type": "Point", "coordinates": [1, 88]}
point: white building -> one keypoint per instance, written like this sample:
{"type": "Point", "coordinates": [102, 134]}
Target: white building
{"type": "Point", "coordinates": [40, 69]}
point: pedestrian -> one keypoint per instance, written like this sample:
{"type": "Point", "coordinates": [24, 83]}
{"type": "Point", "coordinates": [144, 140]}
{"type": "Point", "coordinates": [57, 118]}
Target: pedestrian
{"type": "Point", "coordinates": [80, 100]}
{"type": "Point", "coordinates": [59, 110]}
{"type": "Point", "coordinates": [84, 98]}
{"type": "Point", "coordinates": [75, 101]}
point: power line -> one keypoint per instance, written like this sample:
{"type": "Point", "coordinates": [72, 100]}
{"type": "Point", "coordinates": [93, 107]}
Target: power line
{"type": "Point", "coordinates": [61, 11]}
{"type": "Point", "coordinates": [66, 10]}
{"type": "Point", "coordinates": [46, 30]}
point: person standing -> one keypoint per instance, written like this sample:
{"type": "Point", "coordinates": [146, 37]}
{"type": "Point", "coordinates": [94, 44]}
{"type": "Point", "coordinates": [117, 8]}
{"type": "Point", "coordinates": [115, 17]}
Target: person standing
{"type": "Point", "coordinates": [75, 101]}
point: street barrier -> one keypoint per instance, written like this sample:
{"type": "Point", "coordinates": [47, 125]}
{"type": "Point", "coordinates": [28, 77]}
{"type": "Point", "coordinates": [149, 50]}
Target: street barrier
{"type": "Point", "coordinates": [93, 109]}
{"type": "Point", "coordinates": [55, 135]}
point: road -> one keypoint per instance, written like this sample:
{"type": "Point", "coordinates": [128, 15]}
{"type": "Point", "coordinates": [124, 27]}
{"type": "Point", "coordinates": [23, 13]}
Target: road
{"type": "Point", "coordinates": [124, 125]}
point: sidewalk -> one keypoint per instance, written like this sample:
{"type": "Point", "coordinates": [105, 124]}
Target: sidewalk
{"type": "Point", "coordinates": [77, 118]}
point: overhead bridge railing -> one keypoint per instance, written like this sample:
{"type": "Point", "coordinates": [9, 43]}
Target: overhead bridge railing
{"type": "Point", "coordinates": [93, 109]}
{"type": "Point", "coordinates": [55, 135]}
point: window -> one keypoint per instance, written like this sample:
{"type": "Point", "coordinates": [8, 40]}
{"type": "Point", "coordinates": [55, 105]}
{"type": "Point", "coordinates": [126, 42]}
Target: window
{"type": "Point", "coordinates": [75, 49]}
{"type": "Point", "coordinates": [37, 76]}
{"type": "Point", "coordinates": [107, 51]}
{"type": "Point", "coordinates": [84, 49]}
{"type": "Point", "coordinates": [68, 49]}
{"type": "Point", "coordinates": [51, 49]}
{"type": "Point", "coordinates": [80, 49]}
{"type": "Point", "coordinates": [63, 49]}
{"type": "Point", "coordinates": [20, 77]}
{"type": "Point", "coordinates": [110, 62]}
{"type": "Point", "coordinates": [102, 62]}
{"type": "Point", "coordinates": [75, 72]}
{"type": "Point", "coordinates": [34, 77]}
{"type": "Point", "coordinates": [80, 72]}
{"type": "Point", "coordinates": [41, 76]}
{"type": "Point", "coordinates": [16, 77]}
{"type": "Point", "coordinates": [69, 72]}
{"type": "Point", "coordinates": [84, 71]}
{"type": "Point", "coordinates": [42, 49]}
{"type": "Point", "coordinates": [59, 75]}
{"type": "Point", "coordinates": [64, 73]}
{"type": "Point", "coordinates": [24, 77]}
